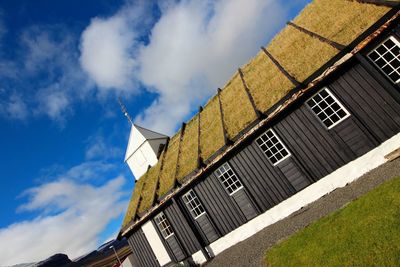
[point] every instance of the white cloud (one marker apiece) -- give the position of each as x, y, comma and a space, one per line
72, 216
195, 47
109, 47
54, 102
105, 53
98, 148
14, 107
49, 57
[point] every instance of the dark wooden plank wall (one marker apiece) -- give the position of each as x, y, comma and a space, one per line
223, 211
182, 230
245, 203
293, 172
175, 248
142, 251
369, 102
207, 228
266, 183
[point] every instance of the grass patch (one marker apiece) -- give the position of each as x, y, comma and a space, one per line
364, 233
211, 131
266, 83
167, 175
189, 149
236, 106
133, 203
339, 20
300, 54
149, 189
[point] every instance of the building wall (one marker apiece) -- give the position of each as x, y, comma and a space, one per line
316, 151
141, 250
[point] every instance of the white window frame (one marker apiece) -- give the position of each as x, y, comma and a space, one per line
160, 219
281, 143
394, 39
336, 101
193, 204
227, 167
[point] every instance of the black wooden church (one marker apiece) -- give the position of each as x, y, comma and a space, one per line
313, 110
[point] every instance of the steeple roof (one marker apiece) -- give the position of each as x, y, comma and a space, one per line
138, 136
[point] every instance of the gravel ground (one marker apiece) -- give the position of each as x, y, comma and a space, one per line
250, 252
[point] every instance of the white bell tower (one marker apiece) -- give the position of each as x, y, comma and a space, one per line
143, 149
144, 146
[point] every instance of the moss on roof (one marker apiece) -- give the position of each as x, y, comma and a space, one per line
339, 20
167, 174
211, 131
148, 193
133, 204
300, 54
266, 83
297, 52
189, 149
236, 107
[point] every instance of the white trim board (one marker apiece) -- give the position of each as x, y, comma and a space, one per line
339, 178
155, 243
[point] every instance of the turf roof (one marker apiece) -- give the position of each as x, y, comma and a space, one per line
236, 106
149, 189
167, 178
297, 52
189, 152
134, 203
211, 129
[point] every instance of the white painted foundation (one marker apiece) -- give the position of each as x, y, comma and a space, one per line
339, 178
155, 243
198, 257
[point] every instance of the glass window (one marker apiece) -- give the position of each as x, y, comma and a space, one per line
163, 225
327, 108
193, 204
387, 58
228, 179
272, 147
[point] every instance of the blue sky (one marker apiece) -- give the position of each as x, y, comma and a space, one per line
63, 184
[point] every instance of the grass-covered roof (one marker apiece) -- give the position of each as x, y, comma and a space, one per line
339, 20
211, 129
189, 150
134, 203
230, 111
167, 178
236, 106
148, 193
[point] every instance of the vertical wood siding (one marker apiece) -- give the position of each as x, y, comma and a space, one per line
207, 228
176, 248
182, 230
142, 252
294, 174
220, 207
243, 201
266, 183
370, 103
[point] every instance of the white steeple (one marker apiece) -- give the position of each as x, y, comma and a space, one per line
143, 149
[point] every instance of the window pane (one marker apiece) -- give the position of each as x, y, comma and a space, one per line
331, 112
387, 58
193, 204
228, 179
163, 225
272, 147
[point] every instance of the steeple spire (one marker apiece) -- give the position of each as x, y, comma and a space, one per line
124, 110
